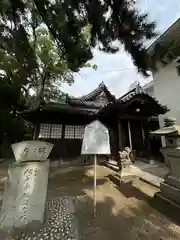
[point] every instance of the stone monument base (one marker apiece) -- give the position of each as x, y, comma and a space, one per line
170, 190
25, 195
173, 181
165, 202
126, 175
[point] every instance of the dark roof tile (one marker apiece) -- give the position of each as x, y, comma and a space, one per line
88, 104
92, 95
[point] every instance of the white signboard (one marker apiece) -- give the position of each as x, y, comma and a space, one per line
96, 139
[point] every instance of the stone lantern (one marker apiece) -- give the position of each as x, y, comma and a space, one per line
170, 188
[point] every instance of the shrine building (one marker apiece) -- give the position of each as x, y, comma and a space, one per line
129, 119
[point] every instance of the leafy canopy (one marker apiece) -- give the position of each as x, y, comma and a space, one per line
43, 41
109, 20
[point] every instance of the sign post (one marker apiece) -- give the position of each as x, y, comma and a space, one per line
95, 142
94, 197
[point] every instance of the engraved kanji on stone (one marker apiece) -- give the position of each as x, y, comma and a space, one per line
35, 172
26, 186
25, 201
27, 177
42, 151
25, 152
34, 150
23, 208
23, 217
28, 171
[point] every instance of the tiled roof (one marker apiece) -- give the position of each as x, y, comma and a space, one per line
132, 95
92, 95
137, 90
63, 107
88, 104
92, 108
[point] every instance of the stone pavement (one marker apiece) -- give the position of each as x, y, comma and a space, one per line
122, 212
150, 173
59, 223
153, 174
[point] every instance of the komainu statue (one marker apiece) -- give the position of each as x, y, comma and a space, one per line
124, 161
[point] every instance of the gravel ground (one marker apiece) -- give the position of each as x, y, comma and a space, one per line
59, 223
126, 212
121, 217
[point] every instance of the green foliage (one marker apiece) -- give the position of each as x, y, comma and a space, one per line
42, 42
107, 21
45, 78
52, 70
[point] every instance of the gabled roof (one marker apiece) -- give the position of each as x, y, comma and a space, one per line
56, 108
137, 90
137, 94
170, 34
85, 106
95, 93
88, 104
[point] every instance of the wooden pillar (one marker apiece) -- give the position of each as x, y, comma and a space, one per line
120, 135
114, 138
36, 131
63, 131
129, 132
147, 141
143, 135
34, 135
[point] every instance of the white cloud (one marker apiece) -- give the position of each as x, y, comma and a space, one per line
117, 71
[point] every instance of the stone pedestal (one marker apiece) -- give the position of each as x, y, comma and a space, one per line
125, 163
26, 188
25, 194
170, 188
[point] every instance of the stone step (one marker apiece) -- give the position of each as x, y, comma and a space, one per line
170, 192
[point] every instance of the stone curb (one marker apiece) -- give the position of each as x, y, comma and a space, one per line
149, 182
159, 195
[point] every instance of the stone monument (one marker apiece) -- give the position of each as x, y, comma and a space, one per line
170, 188
26, 187
124, 163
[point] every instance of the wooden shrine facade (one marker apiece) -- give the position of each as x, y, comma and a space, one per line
127, 118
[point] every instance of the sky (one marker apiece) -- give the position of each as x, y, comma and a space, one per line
117, 70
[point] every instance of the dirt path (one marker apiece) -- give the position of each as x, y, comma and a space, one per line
126, 212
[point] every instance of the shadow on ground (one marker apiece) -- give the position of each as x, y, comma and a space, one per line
129, 190
158, 169
123, 212
73, 182
132, 221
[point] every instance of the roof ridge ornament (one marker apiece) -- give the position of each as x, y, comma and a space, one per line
138, 89
102, 84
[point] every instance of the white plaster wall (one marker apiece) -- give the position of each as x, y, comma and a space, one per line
149, 88
167, 90
150, 92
